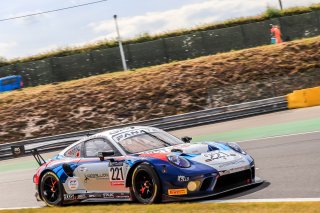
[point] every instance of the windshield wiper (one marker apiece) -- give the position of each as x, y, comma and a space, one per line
159, 139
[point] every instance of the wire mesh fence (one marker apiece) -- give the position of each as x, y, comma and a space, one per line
164, 50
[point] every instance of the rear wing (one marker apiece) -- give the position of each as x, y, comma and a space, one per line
18, 151
38, 157
35, 146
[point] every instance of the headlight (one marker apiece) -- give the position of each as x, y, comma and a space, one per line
236, 148
178, 161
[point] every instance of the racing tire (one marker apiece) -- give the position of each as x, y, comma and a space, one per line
51, 189
146, 186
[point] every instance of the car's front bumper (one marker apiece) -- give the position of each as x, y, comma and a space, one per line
167, 198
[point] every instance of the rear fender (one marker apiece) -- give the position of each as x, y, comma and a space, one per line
39, 183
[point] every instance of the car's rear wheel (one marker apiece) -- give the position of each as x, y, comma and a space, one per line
51, 189
145, 185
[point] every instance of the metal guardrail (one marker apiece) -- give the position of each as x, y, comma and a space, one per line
175, 122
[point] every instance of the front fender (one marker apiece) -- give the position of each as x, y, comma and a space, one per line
169, 174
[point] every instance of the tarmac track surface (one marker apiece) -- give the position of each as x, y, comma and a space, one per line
288, 163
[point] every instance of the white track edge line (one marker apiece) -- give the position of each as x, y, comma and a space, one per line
278, 136
18, 208
271, 200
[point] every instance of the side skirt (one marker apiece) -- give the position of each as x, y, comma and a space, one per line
97, 197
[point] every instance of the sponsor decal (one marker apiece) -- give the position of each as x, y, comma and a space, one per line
121, 135
73, 184
183, 178
81, 197
108, 195
117, 183
122, 196
97, 176
74, 151
91, 196
226, 172
116, 163
211, 156
69, 197
157, 151
116, 195
95, 195
116, 176
128, 134
177, 191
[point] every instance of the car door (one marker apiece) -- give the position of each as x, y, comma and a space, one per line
97, 175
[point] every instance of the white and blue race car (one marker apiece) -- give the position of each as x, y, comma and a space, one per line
143, 164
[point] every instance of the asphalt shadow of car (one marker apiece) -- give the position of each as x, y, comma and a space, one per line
238, 192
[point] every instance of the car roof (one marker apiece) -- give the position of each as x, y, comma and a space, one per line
112, 134
116, 135
9, 77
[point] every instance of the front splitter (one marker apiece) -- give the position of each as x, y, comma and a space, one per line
167, 198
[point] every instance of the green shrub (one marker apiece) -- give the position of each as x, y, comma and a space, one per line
299, 10
272, 12
3, 61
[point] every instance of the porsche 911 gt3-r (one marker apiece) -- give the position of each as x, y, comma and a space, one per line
142, 164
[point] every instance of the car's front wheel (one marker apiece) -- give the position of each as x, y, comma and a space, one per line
145, 184
51, 189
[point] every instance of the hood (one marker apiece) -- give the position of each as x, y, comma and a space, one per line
192, 148
217, 155
188, 148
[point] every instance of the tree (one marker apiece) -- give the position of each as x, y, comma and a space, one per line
3, 61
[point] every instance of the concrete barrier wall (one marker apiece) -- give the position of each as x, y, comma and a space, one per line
304, 98
163, 50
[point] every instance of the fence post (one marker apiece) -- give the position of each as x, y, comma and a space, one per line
283, 30
318, 21
204, 47
166, 55
129, 60
245, 43
52, 71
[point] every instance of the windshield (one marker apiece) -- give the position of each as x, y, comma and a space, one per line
145, 142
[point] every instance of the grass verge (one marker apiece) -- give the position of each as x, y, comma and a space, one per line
184, 207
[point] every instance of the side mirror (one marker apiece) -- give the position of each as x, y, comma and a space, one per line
101, 155
186, 139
